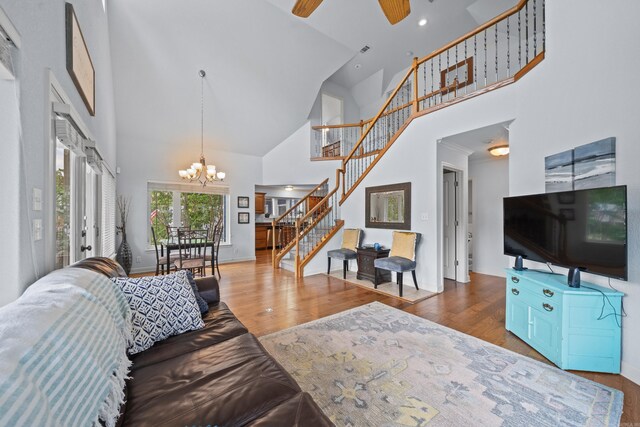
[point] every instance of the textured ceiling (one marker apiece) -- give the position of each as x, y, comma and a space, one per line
264, 65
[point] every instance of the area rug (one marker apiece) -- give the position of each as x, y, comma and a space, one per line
378, 366
409, 292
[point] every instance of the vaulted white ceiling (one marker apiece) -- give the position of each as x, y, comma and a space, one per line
264, 66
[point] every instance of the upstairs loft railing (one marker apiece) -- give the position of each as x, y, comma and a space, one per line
493, 55
335, 142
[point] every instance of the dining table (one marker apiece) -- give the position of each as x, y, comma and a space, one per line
174, 246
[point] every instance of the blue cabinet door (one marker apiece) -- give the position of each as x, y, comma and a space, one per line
544, 331
517, 315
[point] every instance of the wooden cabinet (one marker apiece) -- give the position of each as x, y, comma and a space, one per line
366, 268
575, 328
312, 201
262, 232
260, 201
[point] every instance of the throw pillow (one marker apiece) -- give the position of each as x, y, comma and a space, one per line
161, 306
202, 304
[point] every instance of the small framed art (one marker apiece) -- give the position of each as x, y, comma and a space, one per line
243, 217
243, 202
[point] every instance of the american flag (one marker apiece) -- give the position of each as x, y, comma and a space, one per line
154, 213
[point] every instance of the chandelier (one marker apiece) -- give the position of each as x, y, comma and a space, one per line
200, 171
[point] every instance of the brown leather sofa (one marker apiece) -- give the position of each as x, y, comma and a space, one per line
216, 376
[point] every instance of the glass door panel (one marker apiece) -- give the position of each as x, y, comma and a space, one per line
65, 218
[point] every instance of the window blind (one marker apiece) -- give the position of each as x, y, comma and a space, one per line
108, 214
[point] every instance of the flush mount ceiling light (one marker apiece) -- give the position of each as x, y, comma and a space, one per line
197, 172
499, 150
422, 22
289, 188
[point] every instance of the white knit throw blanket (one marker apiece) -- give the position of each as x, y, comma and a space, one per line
63, 359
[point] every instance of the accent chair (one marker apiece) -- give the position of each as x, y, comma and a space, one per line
351, 238
402, 257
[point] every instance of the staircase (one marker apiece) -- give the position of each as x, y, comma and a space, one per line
494, 55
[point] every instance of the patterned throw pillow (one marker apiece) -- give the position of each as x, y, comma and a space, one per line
161, 306
202, 304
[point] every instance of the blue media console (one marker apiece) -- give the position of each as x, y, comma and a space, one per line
566, 325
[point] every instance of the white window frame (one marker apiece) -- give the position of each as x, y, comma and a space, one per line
220, 189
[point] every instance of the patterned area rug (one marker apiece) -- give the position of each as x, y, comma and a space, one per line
409, 292
378, 366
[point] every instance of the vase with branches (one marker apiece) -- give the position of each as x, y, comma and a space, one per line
124, 255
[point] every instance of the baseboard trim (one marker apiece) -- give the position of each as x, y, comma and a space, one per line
631, 373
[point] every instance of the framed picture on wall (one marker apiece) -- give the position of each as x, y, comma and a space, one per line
79, 64
243, 202
243, 217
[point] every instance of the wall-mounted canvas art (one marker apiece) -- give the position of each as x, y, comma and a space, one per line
558, 170
587, 166
594, 164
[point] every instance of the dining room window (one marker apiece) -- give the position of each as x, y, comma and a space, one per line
178, 205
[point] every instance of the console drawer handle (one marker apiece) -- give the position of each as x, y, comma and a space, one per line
515, 279
547, 293
515, 291
547, 307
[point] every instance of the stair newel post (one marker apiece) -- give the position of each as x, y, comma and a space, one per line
297, 237
415, 85
273, 242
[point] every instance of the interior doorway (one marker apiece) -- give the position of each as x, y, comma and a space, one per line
451, 179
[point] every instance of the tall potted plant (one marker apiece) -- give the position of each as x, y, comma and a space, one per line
124, 255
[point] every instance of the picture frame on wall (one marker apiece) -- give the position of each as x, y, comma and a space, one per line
79, 64
243, 217
243, 202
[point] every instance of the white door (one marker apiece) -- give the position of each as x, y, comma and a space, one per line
449, 224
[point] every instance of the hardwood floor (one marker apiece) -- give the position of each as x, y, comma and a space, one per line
267, 301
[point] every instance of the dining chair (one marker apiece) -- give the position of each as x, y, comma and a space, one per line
161, 260
215, 236
351, 238
402, 257
191, 250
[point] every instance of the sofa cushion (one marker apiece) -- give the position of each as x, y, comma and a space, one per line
161, 306
300, 410
219, 325
230, 383
202, 304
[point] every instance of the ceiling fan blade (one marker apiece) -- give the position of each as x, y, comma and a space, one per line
395, 10
304, 8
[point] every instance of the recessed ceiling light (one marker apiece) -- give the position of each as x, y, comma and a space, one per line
422, 22
357, 66
289, 188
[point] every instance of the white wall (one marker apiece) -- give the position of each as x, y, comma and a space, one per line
490, 184
42, 28
289, 162
351, 110
139, 165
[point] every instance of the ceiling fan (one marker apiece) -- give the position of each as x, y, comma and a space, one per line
394, 10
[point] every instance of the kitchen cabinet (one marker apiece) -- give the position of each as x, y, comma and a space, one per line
260, 200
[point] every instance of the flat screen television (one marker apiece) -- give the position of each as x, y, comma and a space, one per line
582, 228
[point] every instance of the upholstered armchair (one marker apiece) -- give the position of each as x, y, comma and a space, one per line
402, 257
351, 238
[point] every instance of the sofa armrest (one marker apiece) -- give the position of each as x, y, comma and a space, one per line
208, 289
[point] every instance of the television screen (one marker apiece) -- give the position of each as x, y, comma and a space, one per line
583, 228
